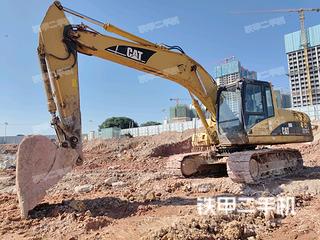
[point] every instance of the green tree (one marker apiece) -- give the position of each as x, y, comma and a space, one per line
150, 123
120, 122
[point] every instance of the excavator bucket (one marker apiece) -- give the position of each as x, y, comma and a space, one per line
41, 163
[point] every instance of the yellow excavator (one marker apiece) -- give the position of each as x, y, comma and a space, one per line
244, 115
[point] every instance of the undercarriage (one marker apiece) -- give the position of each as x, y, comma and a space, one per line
247, 166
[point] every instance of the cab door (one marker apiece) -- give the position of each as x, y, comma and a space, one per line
229, 116
257, 104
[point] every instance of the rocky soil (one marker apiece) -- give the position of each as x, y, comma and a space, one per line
123, 191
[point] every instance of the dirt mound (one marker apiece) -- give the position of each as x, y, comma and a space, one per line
169, 149
136, 149
144, 144
214, 227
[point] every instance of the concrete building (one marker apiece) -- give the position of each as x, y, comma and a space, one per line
182, 113
230, 71
297, 68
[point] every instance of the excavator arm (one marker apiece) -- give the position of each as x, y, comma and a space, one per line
59, 45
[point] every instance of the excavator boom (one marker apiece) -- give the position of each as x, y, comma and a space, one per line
58, 48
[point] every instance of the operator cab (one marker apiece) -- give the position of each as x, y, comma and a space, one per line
241, 106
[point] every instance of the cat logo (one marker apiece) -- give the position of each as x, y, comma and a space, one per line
134, 54
137, 54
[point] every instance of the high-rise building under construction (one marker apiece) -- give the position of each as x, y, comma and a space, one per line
230, 71
297, 66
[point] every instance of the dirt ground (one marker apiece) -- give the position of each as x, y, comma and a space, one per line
123, 191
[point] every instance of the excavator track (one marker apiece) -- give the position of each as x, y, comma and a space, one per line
255, 166
196, 164
174, 165
248, 167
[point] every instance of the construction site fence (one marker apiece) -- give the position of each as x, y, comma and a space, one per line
17, 139
169, 127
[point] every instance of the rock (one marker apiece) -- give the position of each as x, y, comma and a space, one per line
72, 216
12, 207
7, 185
273, 224
113, 167
168, 189
109, 181
7, 161
10, 190
204, 188
151, 177
96, 224
7, 181
6, 165
73, 238
150, 196
62, 216
77, 205
187, 188
88, 213
83, 188
118, 184
269, 215
14, 218
127, 193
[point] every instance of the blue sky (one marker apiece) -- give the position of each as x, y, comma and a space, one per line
207, 31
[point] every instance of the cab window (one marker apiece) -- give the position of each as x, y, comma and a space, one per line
270, 109
257, 104
253, 99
